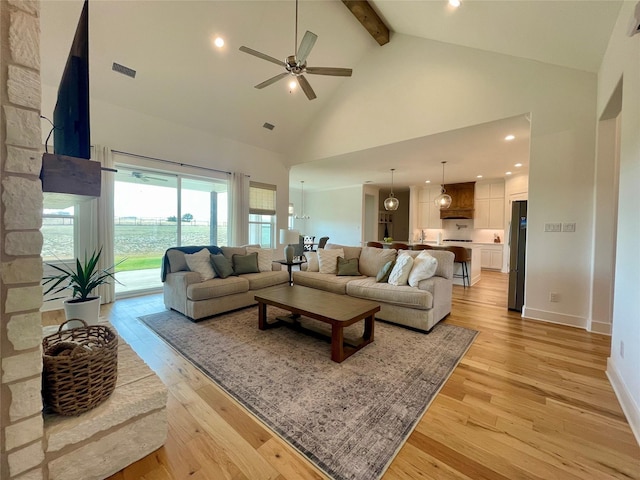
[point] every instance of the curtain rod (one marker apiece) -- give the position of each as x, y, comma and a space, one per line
170, 161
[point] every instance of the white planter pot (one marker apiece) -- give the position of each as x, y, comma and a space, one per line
89, 311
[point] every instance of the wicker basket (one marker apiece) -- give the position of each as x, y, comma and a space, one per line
80, 368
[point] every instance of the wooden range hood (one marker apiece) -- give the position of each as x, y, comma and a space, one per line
462, 201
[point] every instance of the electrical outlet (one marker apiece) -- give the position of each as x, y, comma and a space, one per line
554, 297
621, 348
552, 227
568, 227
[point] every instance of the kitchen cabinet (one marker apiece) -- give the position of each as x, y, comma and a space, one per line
491, 257
489, 205
428, 212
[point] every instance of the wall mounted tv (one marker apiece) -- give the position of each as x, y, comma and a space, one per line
71, 115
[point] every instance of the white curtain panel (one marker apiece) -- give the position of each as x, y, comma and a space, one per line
239, 209
104, 218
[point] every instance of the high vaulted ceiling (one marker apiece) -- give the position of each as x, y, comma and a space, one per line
181, 76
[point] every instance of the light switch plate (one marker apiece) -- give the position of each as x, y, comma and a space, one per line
568, 227
552, 227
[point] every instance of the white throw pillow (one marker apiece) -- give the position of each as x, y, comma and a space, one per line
424, 266
328, 259
201, 262
265, 258
401, 270
312, 261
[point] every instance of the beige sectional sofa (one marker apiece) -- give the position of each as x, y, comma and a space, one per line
419, 307
186, 292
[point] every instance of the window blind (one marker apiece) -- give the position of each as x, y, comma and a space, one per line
262, 199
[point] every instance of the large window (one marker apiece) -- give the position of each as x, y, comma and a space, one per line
58, 234
157, 210
262, 214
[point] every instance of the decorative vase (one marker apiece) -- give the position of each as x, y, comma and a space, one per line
288, 253
88, 310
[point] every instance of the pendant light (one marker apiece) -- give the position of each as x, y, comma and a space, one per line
443, 201
392, 202
304, 216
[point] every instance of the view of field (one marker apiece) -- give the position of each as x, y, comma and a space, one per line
142, 245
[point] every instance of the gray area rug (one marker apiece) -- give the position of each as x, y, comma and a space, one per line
350, 419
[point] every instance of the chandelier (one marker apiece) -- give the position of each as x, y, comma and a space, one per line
304, 216
391, 203
443, 201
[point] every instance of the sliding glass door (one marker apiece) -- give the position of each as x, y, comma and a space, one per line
157, 210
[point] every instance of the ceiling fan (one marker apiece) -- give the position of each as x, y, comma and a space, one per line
296, 65
145, 178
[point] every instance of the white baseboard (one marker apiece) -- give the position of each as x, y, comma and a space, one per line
600, 327
628, 404
554, 317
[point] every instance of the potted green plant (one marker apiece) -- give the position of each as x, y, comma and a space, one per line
82, 279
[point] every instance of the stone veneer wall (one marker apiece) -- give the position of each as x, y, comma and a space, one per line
21, 422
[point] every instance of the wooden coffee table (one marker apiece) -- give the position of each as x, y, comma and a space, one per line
339, 311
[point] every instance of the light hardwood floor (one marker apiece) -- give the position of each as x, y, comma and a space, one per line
529, 400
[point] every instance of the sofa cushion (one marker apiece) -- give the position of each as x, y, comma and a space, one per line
424, 266
222, 265
405, 296
229, 252
312, 261
265, 258
348, 268
261, 280
385, 271
444, 258
322, 281
245, 263
200, 262
349, 252
401, 270
372, 259
217, 287
328, 260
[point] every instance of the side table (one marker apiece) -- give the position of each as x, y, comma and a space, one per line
290, 266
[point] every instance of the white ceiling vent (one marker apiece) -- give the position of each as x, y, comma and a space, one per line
129, 72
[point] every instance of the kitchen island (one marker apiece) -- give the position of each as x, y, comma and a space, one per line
475, 253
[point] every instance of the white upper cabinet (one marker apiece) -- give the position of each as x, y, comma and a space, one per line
489, 205
428, 213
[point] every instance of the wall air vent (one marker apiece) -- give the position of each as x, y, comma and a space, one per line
129, 72
268, 126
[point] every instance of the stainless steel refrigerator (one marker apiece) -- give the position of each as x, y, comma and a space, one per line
517, 248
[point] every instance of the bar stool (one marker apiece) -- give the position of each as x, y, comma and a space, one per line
375, 244
461, 255
399, 246
422, 246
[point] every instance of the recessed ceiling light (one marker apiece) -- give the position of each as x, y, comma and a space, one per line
518, 165
508, 138
427, 181
507, 173
454, 3
478, 176
219, 42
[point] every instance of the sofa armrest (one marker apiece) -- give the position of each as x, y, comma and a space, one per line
276, 267
175, 289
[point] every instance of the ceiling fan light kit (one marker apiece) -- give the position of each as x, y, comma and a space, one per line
443, 201
296, 65
391, 202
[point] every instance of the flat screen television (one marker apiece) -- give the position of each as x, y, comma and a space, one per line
71, 133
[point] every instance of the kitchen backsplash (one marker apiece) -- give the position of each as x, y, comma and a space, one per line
460, 230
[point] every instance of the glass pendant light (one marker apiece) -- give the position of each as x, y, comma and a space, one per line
304, 216
392, 202
443, 201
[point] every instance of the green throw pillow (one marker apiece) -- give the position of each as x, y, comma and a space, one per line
222, 265
245, 263
385, 271
348, 267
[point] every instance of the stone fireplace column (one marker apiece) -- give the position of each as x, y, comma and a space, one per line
21, 423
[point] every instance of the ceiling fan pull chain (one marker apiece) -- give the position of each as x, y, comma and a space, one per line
295, 45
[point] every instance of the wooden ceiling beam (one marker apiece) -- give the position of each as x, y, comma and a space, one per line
369, 19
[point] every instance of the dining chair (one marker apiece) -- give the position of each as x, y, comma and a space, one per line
322, 242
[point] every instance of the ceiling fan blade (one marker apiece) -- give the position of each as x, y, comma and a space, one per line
266, 83
336, 72
263, 56
307, 43
306, 88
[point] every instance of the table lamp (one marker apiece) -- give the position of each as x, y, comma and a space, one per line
287, 237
